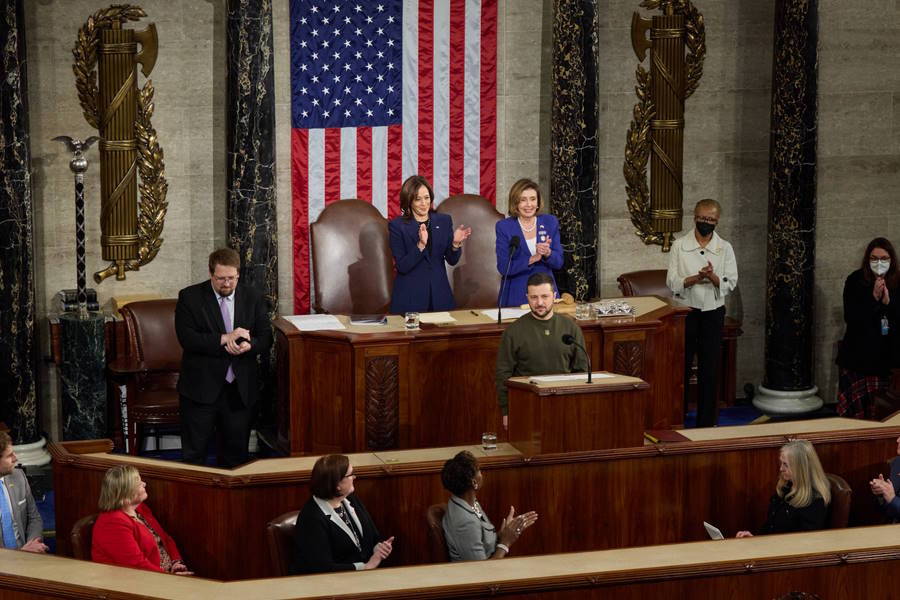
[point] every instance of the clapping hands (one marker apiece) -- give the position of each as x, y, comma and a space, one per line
381, 551
882, 487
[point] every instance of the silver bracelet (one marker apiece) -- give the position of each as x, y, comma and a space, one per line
504, 546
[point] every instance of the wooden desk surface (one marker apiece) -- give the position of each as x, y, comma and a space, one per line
786, 428
37, 575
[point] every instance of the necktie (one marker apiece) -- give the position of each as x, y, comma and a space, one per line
226, 316
6, 520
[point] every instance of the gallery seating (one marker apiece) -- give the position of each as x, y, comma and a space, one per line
280, 535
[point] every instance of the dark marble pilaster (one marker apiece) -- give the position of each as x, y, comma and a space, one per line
82, 375
252, 222
573, 142
790, 259
18, 350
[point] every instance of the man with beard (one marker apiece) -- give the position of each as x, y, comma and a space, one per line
533, 345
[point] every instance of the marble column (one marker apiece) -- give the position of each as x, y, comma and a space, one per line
252, 223
82, 375
573, 143
18, 348
787, 386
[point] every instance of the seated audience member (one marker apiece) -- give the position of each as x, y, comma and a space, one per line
886, 490
869, 349
537, 250
334, 532
126, 532
422, 241
802, 493
469, 533
19, 517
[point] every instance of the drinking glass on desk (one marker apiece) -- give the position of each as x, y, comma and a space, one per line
582, 311
411, 320
489, 440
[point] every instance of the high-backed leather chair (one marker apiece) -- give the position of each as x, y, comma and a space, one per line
149, 370
474, 279
82, 534
280, 535
839, 509
887, 402
652, 282
353, 272
438, 543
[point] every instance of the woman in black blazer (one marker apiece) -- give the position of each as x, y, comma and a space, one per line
334, 532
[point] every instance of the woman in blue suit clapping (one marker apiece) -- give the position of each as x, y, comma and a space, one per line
538, 249
421, 242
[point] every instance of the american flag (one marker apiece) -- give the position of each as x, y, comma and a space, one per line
385, 89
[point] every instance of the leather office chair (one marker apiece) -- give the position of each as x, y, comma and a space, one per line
353, 271
150, 368
644, 283
474, 279
280, 535
839, 509
887, 402
435, 518
82, 534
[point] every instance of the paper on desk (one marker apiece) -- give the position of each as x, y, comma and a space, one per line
509, 312
569, 377
436, 317
314, 322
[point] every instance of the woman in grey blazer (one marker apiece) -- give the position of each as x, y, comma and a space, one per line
470, 534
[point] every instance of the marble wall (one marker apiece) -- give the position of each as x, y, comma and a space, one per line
726, 144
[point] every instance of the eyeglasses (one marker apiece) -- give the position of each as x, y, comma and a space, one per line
710, 220
230, 279
350, 475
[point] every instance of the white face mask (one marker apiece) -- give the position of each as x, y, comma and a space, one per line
881, 266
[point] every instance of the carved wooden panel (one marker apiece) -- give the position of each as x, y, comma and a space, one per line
628, 358
382, 402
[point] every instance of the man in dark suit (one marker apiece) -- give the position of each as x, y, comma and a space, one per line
23, 529
222, 328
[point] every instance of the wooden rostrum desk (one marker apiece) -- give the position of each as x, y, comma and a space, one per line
382, 387
614, 498
853, 563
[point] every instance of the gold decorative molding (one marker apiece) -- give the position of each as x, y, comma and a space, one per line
657, 125
130, 230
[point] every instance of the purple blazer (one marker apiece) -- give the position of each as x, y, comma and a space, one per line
519, 269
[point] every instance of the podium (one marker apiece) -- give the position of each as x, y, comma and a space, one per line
563, 413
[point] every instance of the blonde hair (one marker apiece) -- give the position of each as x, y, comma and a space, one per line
515, 195
806, 473
119, 484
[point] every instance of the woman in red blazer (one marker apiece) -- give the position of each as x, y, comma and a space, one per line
126, 533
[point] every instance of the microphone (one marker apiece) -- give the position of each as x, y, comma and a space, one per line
568, 339
514, 242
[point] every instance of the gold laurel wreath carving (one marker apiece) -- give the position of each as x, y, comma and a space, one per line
151, 164
637, 145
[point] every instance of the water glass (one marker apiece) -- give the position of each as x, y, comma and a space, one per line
489, 440
411, 319
582, 311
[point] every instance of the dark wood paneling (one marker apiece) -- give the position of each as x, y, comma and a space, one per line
445, 387
587, 501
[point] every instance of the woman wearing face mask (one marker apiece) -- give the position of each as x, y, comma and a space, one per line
872, 312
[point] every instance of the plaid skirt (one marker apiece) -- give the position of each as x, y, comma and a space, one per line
855, 392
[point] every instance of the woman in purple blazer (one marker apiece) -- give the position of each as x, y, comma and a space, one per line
421, 242
538, 249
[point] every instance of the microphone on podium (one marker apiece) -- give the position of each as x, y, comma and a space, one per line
514, 242
568, 339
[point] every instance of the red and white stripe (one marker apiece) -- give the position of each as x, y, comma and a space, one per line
448, 132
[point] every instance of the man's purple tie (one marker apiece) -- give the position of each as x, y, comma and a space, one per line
226, 316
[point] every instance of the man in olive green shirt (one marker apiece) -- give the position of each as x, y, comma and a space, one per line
533, 345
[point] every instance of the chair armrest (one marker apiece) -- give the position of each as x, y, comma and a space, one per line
126, 365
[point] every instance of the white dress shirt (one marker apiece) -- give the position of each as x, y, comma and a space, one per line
686, 258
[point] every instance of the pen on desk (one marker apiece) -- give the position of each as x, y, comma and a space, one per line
652, 438
474, 312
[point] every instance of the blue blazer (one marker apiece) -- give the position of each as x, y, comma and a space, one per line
519, 269
421, 276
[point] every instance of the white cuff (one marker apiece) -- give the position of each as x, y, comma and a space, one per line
360, 566
504, 546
